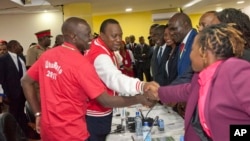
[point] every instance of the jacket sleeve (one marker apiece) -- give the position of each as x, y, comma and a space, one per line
113, 78
174, 93
240, 82
185, 77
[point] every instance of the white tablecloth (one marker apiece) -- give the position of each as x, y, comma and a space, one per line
174, 124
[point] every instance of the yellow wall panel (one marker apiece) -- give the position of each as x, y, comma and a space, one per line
132, 23
135, 23
81, 10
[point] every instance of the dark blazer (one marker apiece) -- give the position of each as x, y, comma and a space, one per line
129, 46
228, 99
172, 66
9, 78
159, 69
184, 62
186, 77
138, 51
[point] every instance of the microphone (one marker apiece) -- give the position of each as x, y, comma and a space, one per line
149, 119
142, 116
149, 111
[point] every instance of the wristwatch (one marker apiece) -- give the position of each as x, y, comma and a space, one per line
37, 114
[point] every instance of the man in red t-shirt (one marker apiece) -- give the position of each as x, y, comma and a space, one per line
67, 82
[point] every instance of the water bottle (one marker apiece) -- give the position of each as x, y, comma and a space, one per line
124, 121
1, 94
138, 124
182, 138
161, 125
146, 132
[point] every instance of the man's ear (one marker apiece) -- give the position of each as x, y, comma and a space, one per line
102, 36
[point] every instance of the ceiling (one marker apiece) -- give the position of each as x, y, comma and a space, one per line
100, 7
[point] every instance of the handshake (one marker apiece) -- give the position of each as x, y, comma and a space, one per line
150, 94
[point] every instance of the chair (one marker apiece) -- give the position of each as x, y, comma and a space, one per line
9, 128
32, 134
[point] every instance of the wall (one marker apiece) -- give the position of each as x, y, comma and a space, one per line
21, 27
81, 10
132, 23
137, 23
246, 10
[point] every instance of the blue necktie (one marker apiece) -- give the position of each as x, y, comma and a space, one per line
159, 55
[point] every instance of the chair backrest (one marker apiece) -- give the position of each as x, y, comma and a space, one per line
10, 128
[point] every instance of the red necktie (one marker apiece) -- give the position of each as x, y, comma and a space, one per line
182, 45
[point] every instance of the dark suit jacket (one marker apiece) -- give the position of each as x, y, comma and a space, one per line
228, 100
138, 51
184, 62
10, 79
159, 70
128, 46
172, 66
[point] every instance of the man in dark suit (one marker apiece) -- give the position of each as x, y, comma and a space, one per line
160, 56
181, 30
12, 68
143, 56
132, 45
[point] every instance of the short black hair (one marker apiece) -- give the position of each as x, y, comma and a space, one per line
105, 23
154, 26
11, 44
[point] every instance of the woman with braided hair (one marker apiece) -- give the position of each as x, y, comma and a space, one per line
218, 94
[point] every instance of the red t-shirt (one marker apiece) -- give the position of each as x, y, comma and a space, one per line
67, 81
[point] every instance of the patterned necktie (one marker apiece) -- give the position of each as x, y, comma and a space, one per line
20, 68
159, 55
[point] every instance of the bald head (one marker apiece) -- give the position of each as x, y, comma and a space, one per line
207, 19
70, 25
184, 18
77, 32
179, 26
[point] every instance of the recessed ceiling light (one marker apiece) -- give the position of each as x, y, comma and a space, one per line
218, 9
191, 3
240, 2
128, 9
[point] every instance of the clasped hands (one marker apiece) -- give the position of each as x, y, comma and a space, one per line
150, 94
150, 90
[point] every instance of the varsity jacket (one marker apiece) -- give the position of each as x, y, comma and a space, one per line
107, 68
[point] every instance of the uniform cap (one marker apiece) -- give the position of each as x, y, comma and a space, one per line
43, 33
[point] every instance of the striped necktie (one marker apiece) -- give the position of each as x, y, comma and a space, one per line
159, 55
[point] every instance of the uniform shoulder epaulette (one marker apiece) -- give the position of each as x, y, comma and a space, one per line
38, 47
35, 46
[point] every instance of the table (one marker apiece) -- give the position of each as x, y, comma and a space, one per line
174, 124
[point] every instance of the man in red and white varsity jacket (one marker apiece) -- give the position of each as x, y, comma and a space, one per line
101, 55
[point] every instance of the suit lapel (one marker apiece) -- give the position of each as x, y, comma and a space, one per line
11, 63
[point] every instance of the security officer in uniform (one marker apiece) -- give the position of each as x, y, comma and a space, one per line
35, 51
